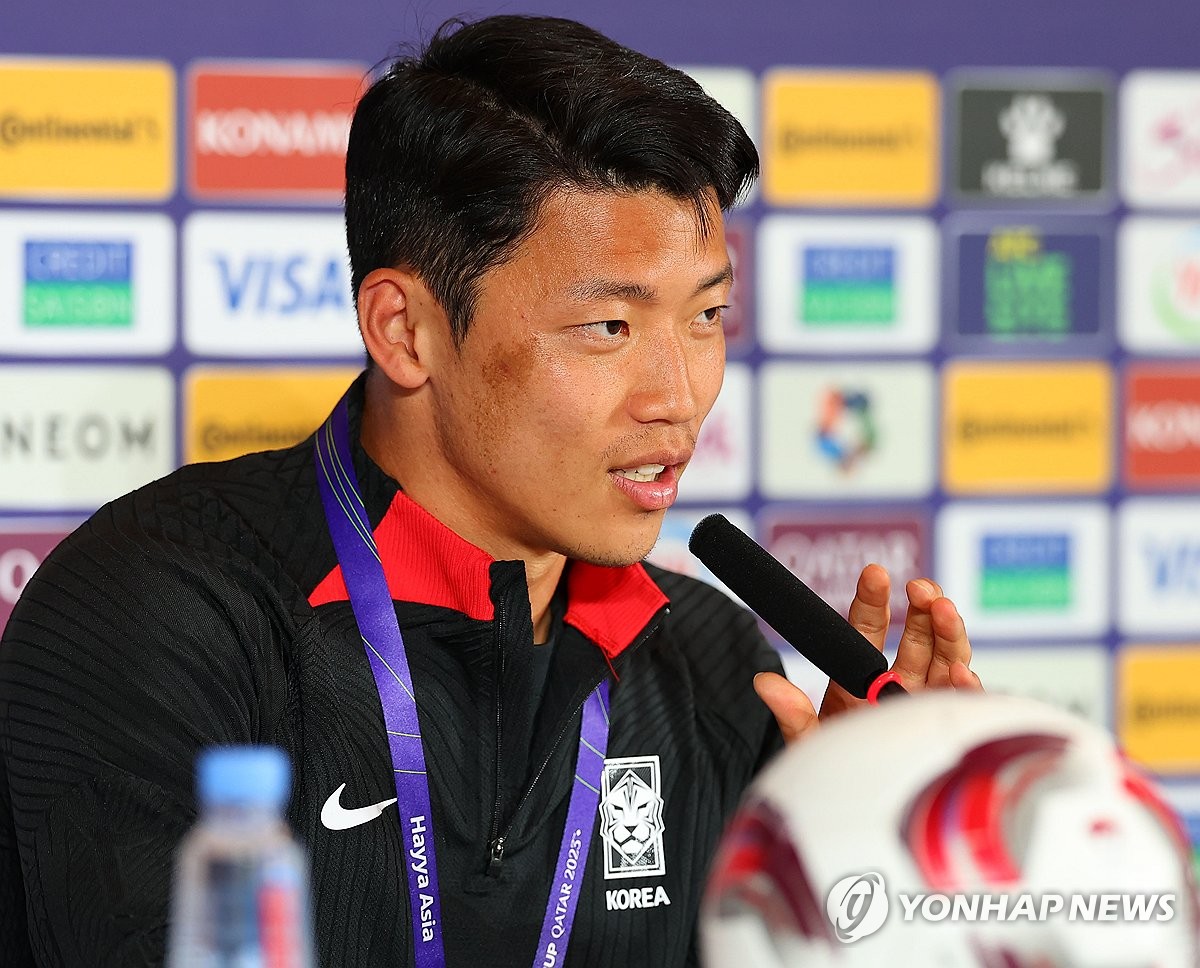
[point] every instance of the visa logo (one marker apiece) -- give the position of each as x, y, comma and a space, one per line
78, 283
296, 283
1026, 571
1174, 567
848, 284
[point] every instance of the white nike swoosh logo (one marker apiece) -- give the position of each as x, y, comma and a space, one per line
336, 817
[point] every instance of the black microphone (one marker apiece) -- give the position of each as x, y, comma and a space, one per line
811, 626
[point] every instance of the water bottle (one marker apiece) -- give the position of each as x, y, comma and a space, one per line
241, 882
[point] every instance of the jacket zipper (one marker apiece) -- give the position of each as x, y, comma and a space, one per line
496, 844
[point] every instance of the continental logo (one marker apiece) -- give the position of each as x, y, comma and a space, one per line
118, 142
1158, 714
256, 131
18, 131
1027, 427
229, 412
842, 138
1162, 427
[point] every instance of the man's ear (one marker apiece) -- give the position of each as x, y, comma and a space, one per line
401, 325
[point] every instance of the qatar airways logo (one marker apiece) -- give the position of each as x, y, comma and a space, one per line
858, 906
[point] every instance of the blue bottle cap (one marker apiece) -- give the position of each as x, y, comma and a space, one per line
244, 775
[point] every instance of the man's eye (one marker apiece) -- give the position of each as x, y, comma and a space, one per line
713, 315
607, 327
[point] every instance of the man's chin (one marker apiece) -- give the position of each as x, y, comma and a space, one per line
611, 554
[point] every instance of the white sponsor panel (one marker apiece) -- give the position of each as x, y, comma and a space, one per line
847, 285
1159, 587
840, 431
1158, 302
1077, 678
720, 468
736, 90
1160, 139
86, 283
78, 436
1026, 570
671, 550
268, 284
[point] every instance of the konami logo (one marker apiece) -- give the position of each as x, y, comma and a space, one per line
1162, 427
270, 131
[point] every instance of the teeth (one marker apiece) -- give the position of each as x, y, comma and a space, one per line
647, 472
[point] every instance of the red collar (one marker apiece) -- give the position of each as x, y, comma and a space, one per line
427, 563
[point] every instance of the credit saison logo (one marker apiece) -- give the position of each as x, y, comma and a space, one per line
18, 130
858, 906
243, 132
78, 283
848, 284
1026, 571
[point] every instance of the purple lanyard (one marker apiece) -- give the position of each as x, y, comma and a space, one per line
375, 613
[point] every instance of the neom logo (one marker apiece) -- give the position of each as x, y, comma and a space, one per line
63, 436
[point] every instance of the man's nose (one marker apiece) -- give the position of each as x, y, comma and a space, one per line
664, 384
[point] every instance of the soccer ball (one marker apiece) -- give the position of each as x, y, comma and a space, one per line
946, 830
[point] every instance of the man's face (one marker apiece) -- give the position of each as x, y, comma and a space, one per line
594, 354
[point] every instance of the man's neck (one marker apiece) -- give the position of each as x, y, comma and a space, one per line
388, 439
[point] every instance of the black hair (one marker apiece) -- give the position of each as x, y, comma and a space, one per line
452, 152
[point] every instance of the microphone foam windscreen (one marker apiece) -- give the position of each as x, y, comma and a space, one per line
815, 629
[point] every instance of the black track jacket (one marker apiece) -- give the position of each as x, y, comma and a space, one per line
208, 608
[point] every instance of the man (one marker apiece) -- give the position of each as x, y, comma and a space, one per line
534, 223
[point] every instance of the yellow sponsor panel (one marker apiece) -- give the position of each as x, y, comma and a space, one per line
846, 138
1158, 706
229, 412
86, 128
1027, 428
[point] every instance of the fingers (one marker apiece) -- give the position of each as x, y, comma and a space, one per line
962, 677
792, 709
870, 611
933, 640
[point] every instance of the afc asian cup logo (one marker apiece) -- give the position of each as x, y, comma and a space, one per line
857, 906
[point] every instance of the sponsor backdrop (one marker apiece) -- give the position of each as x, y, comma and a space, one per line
964, 340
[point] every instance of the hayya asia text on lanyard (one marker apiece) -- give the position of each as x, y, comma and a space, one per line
371, 601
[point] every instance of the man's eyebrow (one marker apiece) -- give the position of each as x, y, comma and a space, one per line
597, 289
716, 279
